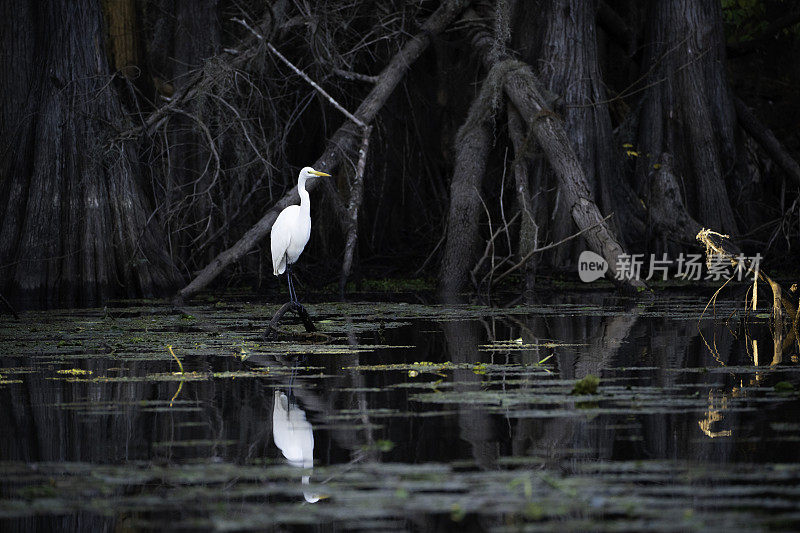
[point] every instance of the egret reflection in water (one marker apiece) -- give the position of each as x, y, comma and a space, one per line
293, 435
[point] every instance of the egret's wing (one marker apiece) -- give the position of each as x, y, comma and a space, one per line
280, 237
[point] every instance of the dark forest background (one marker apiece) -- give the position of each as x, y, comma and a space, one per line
146, 146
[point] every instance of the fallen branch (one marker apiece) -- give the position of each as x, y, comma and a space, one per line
339, 145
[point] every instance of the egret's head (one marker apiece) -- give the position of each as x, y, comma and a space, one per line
308, 173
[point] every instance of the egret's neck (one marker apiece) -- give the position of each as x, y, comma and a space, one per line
305, 201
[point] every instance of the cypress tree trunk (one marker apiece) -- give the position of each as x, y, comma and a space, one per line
196, 37
472, 145
565, 50
74, 227
547, 128
687, 108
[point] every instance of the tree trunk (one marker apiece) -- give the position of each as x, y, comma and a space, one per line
687, 108
522, 88
74, 226
569, 69
122, 41
526, 203
472, 144
185, 36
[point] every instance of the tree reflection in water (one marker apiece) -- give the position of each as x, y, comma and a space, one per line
453, 409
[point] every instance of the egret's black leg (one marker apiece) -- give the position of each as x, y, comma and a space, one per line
292, 293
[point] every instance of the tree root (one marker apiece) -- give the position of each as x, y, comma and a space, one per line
521, 85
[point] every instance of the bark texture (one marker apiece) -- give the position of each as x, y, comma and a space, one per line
522, 88
138, 134
564, 48
74, 227
687, 109
472, 144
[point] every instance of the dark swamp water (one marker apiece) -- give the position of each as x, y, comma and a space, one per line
400, 417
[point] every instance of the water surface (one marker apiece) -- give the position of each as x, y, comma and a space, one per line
400, 416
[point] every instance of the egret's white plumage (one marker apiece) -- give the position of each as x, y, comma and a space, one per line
292, 228
292, 432
293, 435
290, 234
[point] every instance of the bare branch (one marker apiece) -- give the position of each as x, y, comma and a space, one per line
305, 76
548, 247
340, 144
349, 75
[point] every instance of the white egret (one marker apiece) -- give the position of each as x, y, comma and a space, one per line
291, 231
294, 437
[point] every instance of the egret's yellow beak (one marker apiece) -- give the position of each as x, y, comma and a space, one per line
318, 173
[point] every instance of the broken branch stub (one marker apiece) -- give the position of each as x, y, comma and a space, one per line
353, 207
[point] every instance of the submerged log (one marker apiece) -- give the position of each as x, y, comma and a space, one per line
299, 310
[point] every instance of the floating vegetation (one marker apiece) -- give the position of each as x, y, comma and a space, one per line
74, 372
587, 385
518, 344
598, 496
605, 414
